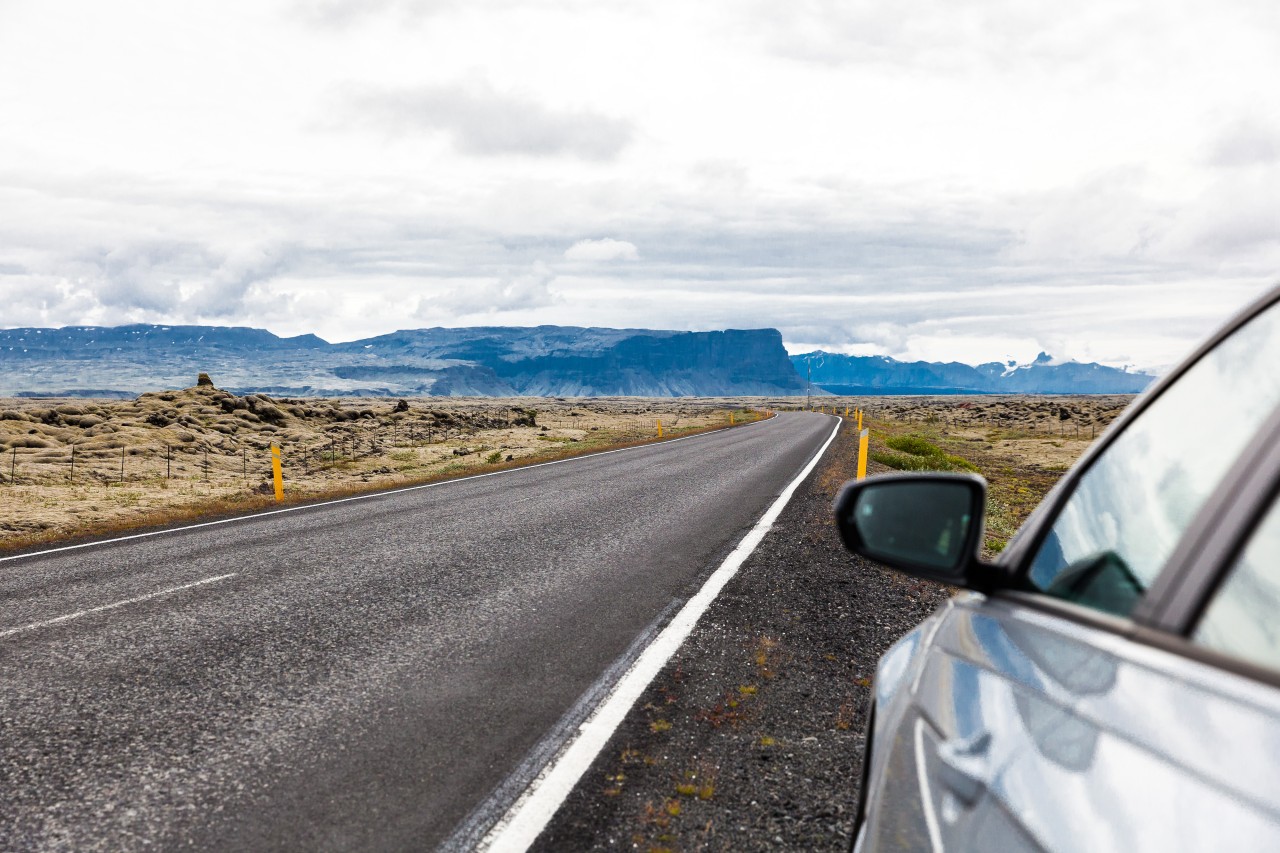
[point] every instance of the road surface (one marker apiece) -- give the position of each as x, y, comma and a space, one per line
353, 675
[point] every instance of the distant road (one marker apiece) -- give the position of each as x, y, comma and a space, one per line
355, 675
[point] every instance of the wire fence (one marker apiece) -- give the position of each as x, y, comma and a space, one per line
37, 460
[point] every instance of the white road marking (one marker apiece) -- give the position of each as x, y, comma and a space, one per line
68, 617
364, 497
525, 820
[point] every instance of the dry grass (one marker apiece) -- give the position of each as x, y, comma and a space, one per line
202, 453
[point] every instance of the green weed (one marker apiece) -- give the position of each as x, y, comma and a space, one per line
917, 454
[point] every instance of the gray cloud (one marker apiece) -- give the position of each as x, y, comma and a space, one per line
1247, 142
223, 290
479, 120
337, 15
144, 276
517, 290
921, 33
137, 280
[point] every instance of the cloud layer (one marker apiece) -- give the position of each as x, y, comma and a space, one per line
975, 181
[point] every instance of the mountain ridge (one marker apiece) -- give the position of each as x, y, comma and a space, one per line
470, 361
559, 361
854, 375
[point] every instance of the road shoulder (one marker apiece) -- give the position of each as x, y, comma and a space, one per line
751, 736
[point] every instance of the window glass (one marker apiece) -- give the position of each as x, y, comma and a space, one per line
1243, 619
1130, 508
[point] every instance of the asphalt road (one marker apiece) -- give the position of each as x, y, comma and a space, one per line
355, 675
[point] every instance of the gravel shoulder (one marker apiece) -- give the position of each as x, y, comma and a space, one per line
751, 737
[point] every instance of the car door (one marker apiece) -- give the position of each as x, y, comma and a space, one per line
1072, 715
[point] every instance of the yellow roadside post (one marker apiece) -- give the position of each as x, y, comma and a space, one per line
731, 419
859, 420
659, 429
275, 472
862, 454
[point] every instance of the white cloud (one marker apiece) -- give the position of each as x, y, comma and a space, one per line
606, 249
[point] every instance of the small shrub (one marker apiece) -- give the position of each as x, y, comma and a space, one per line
913, 444
917, 454
902, 461
493, 458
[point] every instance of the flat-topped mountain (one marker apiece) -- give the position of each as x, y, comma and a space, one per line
488, 361
863, 375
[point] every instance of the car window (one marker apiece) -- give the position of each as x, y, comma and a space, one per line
1129, 509
1243, 617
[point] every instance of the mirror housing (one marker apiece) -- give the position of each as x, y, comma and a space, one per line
926, 525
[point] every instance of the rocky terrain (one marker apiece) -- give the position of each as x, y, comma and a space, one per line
75, 466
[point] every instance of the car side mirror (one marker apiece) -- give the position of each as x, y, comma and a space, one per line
927, 525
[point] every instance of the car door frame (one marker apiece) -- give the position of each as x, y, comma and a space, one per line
1167, 611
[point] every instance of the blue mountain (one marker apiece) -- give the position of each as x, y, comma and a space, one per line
855, 375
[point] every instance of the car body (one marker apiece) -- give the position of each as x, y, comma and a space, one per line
1112, 680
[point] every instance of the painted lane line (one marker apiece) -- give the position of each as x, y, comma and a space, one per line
525, 820
68, 617
365, 497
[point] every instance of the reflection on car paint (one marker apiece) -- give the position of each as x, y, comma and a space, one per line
1106, 736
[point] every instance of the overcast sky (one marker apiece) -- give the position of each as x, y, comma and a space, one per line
925, 178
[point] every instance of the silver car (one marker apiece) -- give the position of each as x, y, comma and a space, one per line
1112, 681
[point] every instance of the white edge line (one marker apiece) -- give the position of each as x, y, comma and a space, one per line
365, 497
67, 618
529, 815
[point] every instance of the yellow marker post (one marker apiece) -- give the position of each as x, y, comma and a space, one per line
659, 429
731, 419
275, 472
862, 454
